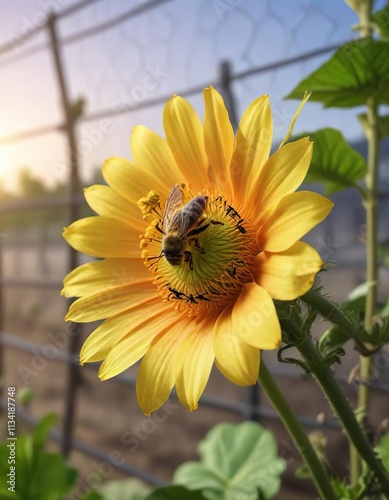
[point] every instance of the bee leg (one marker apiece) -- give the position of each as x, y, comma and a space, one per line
197, 245
216, 222
158, 228
188, 258
154, 259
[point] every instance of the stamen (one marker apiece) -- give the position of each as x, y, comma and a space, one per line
216, 262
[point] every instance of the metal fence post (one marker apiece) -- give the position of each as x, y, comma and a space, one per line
252, 398
225, 77
74, 330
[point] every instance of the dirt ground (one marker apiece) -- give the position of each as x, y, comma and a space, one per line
108, 417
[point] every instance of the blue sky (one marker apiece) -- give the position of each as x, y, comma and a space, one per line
182, 42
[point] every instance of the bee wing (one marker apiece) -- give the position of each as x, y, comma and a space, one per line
173, 204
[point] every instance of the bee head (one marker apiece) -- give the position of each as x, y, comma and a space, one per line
173, 244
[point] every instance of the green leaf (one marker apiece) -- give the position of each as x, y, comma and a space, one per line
8, 495
383, 254
380, 331
41, 431
382, 449
235, 462
334, 162
346, 492
176, 493
40, 475
127, 489
383, 125
381, 22
52, 478
92, 495
332, 341
358, 70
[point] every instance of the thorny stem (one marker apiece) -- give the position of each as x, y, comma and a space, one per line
293, 426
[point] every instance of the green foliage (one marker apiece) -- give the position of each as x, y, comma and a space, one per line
334, 163
383, 254
381, 22
235, 462
175, 493
39, 475
382, 449
127, 489
357, 71
25, 396
380, 331
347, 492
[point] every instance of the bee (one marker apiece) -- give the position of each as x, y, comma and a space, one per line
178, 226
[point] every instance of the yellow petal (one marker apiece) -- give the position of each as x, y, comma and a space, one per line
237, 361
106, 201
194, 360
123, 176
103, 237
134, 344
153, 157
156, 373
288, 274
252, 146
184, 134
219, 139
100, 342
291, 219
110, 301
254, 318
283, 172
94, 276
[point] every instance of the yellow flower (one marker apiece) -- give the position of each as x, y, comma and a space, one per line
183, 288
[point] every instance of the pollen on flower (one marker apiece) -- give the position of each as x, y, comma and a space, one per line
217, 261
149, 203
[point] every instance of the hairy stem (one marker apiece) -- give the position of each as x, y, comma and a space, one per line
329, 311
343, 410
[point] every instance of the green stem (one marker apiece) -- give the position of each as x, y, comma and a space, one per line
370, 202
297, 433
343, 410
364, 13
371, 260
329, 311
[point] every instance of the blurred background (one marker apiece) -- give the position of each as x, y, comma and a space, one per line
76, 76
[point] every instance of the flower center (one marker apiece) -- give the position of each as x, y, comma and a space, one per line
200, 249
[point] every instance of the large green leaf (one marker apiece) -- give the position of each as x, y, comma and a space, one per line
334, 163
235, 462
358, 70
